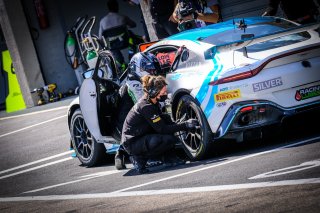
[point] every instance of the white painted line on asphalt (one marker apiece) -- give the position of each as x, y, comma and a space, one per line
33, 113
288, 170
163, 191
37, 167
28, 127
86, 177
37, 161
217, 165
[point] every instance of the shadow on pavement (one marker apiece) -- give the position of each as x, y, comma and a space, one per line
162, 168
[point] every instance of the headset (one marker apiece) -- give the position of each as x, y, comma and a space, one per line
153, 91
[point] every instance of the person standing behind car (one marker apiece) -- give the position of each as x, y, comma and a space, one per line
114, 19
207, 12
147, 132
144, 26
163, 24
302, 12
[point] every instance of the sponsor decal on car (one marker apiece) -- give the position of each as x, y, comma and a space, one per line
224, 96
193, 63
176, 76
204, 89
268, 84
306, 93
233, 87
222, 104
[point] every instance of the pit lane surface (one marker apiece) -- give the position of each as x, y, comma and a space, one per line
38, 173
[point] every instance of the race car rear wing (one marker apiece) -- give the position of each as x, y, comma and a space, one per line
251, 40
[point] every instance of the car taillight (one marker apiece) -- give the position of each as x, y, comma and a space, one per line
237, 77
232, 78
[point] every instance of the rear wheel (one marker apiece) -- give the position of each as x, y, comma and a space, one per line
88, 151
196, 144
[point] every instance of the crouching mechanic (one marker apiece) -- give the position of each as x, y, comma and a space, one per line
147, 132
131, 91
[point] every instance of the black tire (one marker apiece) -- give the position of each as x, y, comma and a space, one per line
196, 144
89, 152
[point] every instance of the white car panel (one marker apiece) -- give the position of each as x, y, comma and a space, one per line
281, 76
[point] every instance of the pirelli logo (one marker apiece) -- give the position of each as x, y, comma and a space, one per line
228, 95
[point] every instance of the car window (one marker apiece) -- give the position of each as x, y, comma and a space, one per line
88, 73
166, 56
278, 42
101, 73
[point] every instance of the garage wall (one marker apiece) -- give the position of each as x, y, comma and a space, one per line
49, 42
21, 47
3, 76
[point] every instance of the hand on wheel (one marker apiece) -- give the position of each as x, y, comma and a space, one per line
192, 124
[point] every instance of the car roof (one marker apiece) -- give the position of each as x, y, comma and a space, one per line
199, 34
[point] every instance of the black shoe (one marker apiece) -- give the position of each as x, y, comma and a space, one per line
142, 170
119, 161
153, 162
139, 163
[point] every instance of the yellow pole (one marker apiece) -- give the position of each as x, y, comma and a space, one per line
14, 100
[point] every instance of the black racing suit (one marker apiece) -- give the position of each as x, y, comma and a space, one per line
147, 132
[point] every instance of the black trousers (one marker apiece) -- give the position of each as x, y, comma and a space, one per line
152, 145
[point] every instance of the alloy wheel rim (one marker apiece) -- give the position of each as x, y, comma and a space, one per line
83, 138
192, 140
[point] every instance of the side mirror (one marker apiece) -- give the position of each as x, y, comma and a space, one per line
184, 55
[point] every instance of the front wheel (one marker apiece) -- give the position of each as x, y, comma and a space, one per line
196, 144
88, 151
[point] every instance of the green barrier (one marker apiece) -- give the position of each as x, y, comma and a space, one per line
14, 100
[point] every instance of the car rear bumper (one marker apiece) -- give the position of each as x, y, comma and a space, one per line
245, 121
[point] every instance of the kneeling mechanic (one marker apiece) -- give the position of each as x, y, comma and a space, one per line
147, 132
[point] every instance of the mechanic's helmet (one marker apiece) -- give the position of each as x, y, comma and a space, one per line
142, 64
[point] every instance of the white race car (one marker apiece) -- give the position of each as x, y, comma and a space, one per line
235, 77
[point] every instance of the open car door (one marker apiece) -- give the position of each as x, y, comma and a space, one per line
98, 99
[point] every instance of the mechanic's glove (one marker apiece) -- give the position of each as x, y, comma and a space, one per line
192, 123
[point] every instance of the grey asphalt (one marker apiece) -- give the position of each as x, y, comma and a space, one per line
233, 165
273, 199
63, 102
